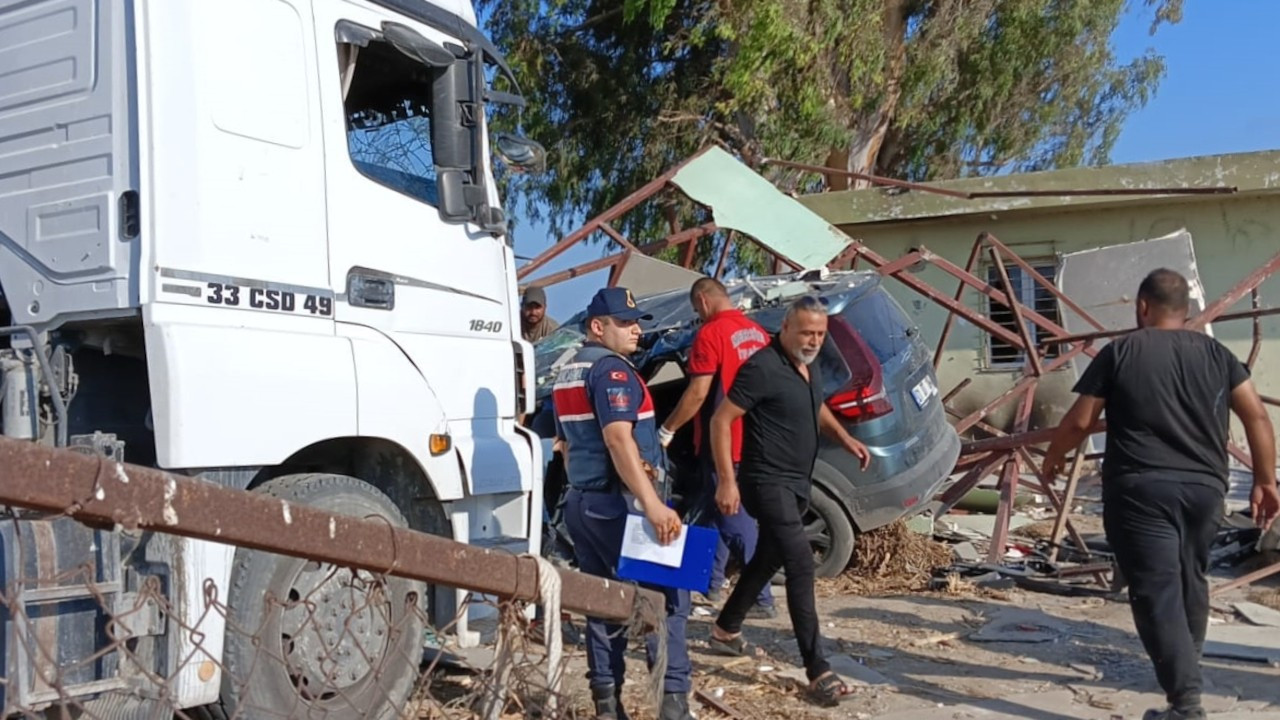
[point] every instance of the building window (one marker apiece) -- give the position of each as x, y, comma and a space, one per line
1000, 354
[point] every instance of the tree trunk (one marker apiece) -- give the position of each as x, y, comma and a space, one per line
869, 129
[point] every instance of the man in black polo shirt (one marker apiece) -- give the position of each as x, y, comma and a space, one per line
1167, 392
778, 394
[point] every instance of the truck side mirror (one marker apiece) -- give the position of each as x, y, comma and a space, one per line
520, 153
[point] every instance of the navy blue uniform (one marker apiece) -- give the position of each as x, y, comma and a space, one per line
595, 388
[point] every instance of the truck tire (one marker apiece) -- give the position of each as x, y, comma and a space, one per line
307, 639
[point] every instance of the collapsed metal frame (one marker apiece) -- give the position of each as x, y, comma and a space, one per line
1004, 453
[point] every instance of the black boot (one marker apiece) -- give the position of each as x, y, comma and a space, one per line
608, 702
675, 706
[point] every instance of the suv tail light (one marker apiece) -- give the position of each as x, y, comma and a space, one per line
863, 397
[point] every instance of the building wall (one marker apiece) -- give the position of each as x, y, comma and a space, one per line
1232, 237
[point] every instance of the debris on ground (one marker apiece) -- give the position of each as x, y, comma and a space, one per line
1258, 614
889, 559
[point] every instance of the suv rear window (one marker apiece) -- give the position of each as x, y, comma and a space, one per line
881, 322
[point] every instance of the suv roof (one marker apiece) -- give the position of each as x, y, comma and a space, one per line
674, 321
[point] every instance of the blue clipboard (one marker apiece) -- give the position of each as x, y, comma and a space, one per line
694, 572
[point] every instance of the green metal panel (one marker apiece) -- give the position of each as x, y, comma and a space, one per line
742, 200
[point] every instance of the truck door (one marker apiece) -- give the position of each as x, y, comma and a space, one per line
441, 292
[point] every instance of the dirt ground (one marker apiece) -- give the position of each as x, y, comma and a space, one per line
915, 656
961, 652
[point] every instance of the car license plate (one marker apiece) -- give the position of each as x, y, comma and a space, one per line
924, 390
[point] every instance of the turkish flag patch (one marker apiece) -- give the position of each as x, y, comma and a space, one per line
618, 375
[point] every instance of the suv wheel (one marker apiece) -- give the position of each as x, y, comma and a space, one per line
831, 535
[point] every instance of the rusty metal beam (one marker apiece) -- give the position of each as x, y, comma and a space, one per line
951, 317
1235, 294
1012, 442
580, 270
679, 238
617, 236
1041, 280
1068, 497
1255, 301
621, 208
1243, 580
878, 261
998, 295
873, 179
1088, 192
1104, 334
724, 253
1028, 342
97, 491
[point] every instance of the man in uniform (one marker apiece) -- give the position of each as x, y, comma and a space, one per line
604, 415
535, 324
1168, 392
723, 343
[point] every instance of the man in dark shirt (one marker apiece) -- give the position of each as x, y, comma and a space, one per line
778, 393
1167, 392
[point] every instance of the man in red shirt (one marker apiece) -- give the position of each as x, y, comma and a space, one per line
725, 341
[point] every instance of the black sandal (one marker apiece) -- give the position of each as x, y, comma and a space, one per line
829, 690
734, 647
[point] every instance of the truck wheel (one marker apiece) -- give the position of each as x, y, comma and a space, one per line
305, 638
830, 534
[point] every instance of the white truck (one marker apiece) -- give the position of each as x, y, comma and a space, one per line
259, 243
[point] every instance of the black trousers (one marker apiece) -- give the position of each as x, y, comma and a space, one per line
1161, 531
783, 544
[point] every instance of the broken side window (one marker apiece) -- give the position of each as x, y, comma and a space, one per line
1000, 354
387, 99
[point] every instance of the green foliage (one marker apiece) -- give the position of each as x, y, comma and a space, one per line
621, 90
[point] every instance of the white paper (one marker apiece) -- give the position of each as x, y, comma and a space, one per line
640, 542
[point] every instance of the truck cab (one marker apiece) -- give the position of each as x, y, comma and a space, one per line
259, 243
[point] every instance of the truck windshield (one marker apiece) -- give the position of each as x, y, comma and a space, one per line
387, 99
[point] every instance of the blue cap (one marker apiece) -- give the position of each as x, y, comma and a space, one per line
616, 302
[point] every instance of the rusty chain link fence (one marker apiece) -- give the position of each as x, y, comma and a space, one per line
131, 593
355, 644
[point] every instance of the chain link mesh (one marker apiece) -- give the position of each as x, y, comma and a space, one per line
84, 637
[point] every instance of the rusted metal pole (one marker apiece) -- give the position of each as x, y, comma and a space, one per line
1243, 580
878, 261
618, 210
1013, 392
97, 491
1029, 347
999, 296
580, 270
956, 390
1104, 334
1232, 296
951, 317
1068, 497
615, 273
617, 236
683, 236
1088, 192
1040, 279
1256, 303
873, 179
1012, 442
724, 253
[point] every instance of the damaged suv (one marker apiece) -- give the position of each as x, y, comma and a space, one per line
878, 380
